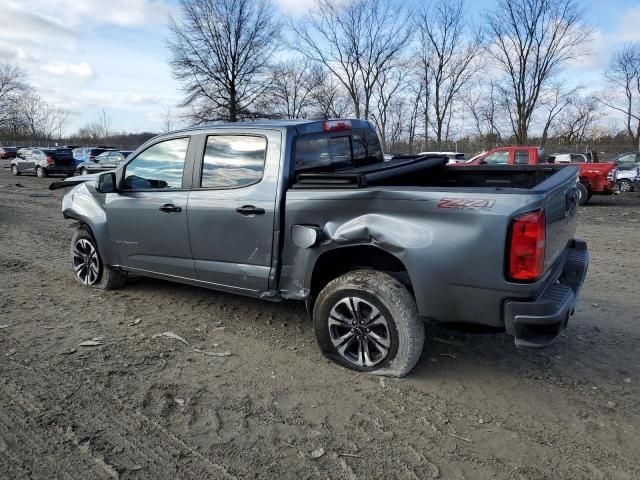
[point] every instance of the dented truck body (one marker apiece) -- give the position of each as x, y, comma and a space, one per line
444, 233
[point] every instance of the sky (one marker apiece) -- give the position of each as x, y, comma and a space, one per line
85, 55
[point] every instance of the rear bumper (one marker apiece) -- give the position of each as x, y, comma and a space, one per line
63, 169
537, 323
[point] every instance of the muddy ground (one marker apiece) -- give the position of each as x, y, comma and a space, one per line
136, 406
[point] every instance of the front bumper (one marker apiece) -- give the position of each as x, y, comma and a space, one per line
537, 323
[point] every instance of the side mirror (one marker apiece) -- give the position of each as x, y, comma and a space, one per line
107, 182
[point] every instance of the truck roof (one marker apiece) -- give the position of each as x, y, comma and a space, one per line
302, 125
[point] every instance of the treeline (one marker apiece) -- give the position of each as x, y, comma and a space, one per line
424, 74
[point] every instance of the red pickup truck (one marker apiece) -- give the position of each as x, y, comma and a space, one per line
595, 178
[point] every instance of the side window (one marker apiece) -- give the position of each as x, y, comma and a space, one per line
497, 158
233, 161
522, 157
575, 158
159, 166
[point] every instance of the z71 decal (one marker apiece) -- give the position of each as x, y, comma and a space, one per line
466, 203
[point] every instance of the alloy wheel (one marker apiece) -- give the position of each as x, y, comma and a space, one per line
86, 264
625, 186
359, 332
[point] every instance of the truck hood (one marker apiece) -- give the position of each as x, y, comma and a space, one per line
73, 181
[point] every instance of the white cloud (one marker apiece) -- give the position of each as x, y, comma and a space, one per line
79, 70
295, 7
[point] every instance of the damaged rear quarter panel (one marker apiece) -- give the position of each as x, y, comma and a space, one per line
453, 255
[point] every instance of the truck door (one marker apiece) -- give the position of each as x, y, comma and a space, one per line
147, 217
231, 207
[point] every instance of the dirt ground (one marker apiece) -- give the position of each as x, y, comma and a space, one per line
139, 406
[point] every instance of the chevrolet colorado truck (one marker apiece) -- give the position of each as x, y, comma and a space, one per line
594, 179
310, 211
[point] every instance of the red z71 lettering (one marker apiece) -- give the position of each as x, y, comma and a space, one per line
465, 203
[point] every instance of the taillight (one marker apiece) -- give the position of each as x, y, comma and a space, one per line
50, 161
336, 125
612, 175
526, 247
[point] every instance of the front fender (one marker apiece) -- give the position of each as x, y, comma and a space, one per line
86, 205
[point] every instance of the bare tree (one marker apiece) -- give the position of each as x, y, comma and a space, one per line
483, 103
624, 97
98, 130
531, 41
293, 88
356, 41
389, 87
220, 50
449, 56
554, 101
331, 99
578, 120
167, 119
12, 87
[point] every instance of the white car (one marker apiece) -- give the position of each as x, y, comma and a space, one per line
625, 179
454, 157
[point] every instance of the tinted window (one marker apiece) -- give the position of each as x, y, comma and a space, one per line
522, 157
232, 161
322, 152
497, 158
159, 166
578, 158
366, 147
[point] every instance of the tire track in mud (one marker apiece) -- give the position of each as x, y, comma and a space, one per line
117, 438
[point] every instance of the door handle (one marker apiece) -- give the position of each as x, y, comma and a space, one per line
250, 210
170, 207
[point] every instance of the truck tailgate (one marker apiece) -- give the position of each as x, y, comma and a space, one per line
561, 214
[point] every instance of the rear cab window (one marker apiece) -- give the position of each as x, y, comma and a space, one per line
335, 151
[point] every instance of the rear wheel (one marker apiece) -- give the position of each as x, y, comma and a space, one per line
84, 171
583, 194
625, 185
368, 321
14, 170
88, 268
41, 172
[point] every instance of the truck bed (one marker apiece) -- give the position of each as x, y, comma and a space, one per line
431, 171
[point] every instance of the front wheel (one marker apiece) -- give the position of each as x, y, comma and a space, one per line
583, 194
625, 185
368, 321
88, 268
84, 171
41, 172
14, 170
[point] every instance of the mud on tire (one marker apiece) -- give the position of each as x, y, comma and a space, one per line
106, 277
386, 325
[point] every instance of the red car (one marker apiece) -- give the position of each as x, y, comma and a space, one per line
595, 178
8, 152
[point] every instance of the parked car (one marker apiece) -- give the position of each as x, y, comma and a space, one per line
43, 161
636, 181
454, 157
89, 154
8, 152
595, 178
572, 158
308, 210
625, 179
108, 160
627, 161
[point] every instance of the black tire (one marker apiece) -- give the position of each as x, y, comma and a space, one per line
106, 277
583, 194
403, 330
14, 170
625, 185
84, 171
41, 172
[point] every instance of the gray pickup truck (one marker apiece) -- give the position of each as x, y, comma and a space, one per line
309, 210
